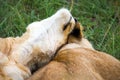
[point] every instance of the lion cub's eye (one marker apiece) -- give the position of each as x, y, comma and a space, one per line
65, 26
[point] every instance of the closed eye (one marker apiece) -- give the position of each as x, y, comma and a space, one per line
66, 25
64, 28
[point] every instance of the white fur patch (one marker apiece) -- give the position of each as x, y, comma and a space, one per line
47, 35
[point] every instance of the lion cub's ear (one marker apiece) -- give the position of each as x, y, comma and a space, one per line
77, 33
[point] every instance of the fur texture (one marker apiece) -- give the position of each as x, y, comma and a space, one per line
36, 46
79, 61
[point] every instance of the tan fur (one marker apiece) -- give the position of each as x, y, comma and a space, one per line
80, 64
7, 45
3, 76
11, 43
79, 61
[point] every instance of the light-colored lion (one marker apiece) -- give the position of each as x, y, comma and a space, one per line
36, 46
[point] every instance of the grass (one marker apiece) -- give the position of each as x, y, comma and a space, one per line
100, 18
